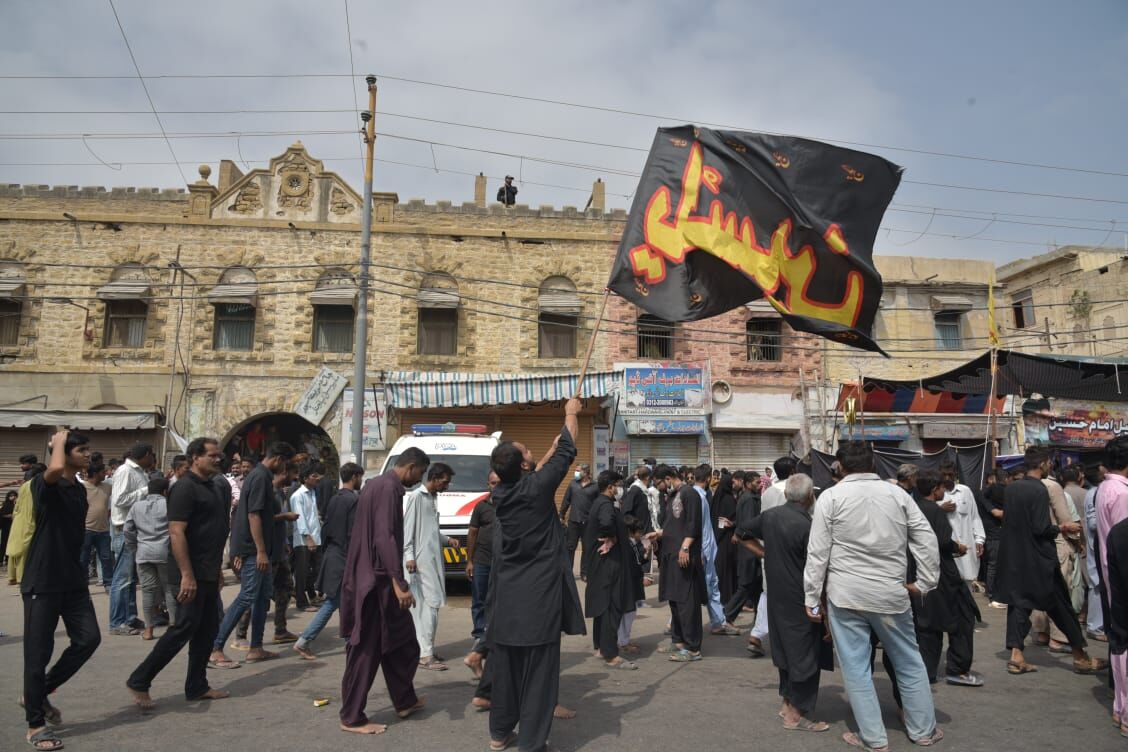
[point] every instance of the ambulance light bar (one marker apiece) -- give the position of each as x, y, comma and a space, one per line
446, 429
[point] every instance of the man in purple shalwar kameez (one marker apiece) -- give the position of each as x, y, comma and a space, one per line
375, 599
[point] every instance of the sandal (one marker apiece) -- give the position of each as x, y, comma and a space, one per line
684, 656
505, 743
931, 740
668, 649
806, 724
45, 737
622, 665
856, 741
1090, 666
725, 631
226, 663
431, 664
1019, 668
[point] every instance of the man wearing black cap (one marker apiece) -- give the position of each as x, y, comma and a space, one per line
507, 194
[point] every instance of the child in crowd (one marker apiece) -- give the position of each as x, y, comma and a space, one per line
642, 558
146, 532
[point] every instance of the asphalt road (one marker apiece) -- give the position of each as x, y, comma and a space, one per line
724, 701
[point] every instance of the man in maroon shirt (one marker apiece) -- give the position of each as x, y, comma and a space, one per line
375, 599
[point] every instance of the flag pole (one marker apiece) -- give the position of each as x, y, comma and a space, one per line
591, 343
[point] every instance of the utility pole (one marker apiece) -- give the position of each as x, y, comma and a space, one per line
361, 334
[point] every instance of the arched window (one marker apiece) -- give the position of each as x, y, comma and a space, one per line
235, 299
334, 311
437, 304
558, 318
127, 309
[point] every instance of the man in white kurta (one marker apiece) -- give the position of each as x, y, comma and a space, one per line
966, 525
423, 559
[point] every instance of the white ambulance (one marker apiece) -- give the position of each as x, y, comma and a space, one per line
466, 448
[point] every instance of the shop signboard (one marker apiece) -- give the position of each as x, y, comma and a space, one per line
1086, 424
675, 426
375, 422
666, 389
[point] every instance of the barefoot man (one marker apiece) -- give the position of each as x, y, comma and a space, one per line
199, 506
375, 599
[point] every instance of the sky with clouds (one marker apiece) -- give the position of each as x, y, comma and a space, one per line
1035, 81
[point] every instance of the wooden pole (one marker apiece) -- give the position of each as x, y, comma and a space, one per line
989, 448
591, 344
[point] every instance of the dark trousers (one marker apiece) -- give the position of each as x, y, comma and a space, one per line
479, 586
361, 664
575, 535
686, 627
100, 544
304, 592
1060, 611
485, 681
42, 612
525, 691
960, 649
605, 632
196, 625
748, 592
991, 553
801, 695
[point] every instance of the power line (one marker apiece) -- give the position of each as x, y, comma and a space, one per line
694, 327
543, 160
145, 87
579, 105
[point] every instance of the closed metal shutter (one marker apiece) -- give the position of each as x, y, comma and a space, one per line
538, 433
744, 450
667, 450
116, 443
18, 441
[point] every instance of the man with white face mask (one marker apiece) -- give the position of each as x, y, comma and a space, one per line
578, 497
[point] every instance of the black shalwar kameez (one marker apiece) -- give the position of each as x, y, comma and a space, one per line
684, 588
613, 580
534, 599
799, 649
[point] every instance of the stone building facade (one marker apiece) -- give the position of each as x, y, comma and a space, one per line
212, 310
933, 318
1069, 301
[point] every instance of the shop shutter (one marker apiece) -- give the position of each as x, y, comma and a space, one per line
668, 450
116, 443
744, 450
18, 441
538, 433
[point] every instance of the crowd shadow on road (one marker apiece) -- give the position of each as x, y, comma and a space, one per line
245, 685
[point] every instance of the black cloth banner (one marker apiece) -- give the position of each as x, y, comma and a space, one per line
969, 464
723, 218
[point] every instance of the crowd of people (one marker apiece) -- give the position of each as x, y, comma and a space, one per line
865, 565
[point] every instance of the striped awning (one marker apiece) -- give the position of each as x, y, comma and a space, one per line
415, 389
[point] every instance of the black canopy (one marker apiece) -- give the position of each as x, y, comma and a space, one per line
1022, 374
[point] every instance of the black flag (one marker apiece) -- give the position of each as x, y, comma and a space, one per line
723, 218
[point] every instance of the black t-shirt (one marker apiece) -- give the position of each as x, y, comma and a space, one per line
280, 530
53, 559
257, 496
483, 518
206, 506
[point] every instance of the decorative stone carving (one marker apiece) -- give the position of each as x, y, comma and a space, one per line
294, 188
339, 202
248, 200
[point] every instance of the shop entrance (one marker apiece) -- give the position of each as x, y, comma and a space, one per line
253, 436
